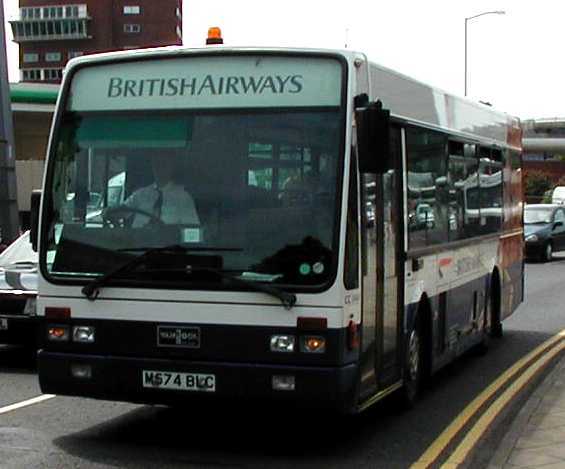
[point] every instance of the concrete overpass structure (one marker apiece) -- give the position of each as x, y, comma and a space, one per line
544, 135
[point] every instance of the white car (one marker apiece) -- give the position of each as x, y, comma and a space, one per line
425, 216
18, 292
558, 195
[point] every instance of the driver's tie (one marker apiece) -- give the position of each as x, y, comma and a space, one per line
157, 207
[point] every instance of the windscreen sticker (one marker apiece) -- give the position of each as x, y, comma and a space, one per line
318, 268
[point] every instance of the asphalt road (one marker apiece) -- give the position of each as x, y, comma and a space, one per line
67, 432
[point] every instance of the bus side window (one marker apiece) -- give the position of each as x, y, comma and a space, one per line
463, 191
471, 195
428, 192
490, 182
456, 178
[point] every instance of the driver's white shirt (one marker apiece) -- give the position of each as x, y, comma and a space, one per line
177, 208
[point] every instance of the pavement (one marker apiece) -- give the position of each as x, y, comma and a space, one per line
536, 437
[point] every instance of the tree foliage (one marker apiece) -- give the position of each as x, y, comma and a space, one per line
537, 183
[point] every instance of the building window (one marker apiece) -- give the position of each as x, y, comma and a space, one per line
72, 11
53, 57
53, 74
132, 28
132, 10
54, 12
31, 74
30, 13
31, 57
74, 54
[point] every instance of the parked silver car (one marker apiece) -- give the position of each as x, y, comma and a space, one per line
18, 292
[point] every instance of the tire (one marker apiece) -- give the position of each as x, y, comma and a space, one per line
413, 367
493, 311
482, 347
547, 255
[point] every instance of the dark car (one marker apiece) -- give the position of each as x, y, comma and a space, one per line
544, 230
18, 292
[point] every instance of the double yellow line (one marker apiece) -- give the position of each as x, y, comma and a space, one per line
535, 361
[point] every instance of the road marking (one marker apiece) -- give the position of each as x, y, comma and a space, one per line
440, 444
462, 451
19, 405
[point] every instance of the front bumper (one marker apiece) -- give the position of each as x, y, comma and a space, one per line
17, 329
120, 378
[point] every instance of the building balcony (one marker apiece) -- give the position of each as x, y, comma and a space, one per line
50, 29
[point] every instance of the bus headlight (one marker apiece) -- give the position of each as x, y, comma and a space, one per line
282, 343
532, 238
84, 334
313, 344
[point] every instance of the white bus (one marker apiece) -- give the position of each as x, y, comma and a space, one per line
302, 278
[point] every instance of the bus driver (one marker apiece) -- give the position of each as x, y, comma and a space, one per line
165, 198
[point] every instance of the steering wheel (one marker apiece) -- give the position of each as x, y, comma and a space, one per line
119, 217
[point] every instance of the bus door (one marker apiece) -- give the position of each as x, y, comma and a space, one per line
383, 272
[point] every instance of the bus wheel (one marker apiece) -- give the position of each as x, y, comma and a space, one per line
413, 366
493, 313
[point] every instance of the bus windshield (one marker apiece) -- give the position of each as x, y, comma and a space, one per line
254, 193
236, 159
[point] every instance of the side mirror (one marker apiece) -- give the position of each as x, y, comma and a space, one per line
372, 136
557, 224
34, 221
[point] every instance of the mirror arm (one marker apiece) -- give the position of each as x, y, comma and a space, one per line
34, 219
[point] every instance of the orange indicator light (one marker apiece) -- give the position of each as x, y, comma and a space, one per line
58, 333
214, 36
314, 344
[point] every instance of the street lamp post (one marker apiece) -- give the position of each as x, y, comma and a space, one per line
498, 12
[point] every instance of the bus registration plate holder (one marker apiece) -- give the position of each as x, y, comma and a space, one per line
178, 381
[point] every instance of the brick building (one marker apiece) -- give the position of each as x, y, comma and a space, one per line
50, 32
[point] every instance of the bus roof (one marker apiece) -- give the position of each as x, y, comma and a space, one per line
412, 100
407, 98
175, 51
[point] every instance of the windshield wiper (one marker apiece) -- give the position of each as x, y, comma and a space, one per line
287, 299
92, 289
180, 248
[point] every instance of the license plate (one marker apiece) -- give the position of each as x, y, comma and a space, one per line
178, 381
3, 324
